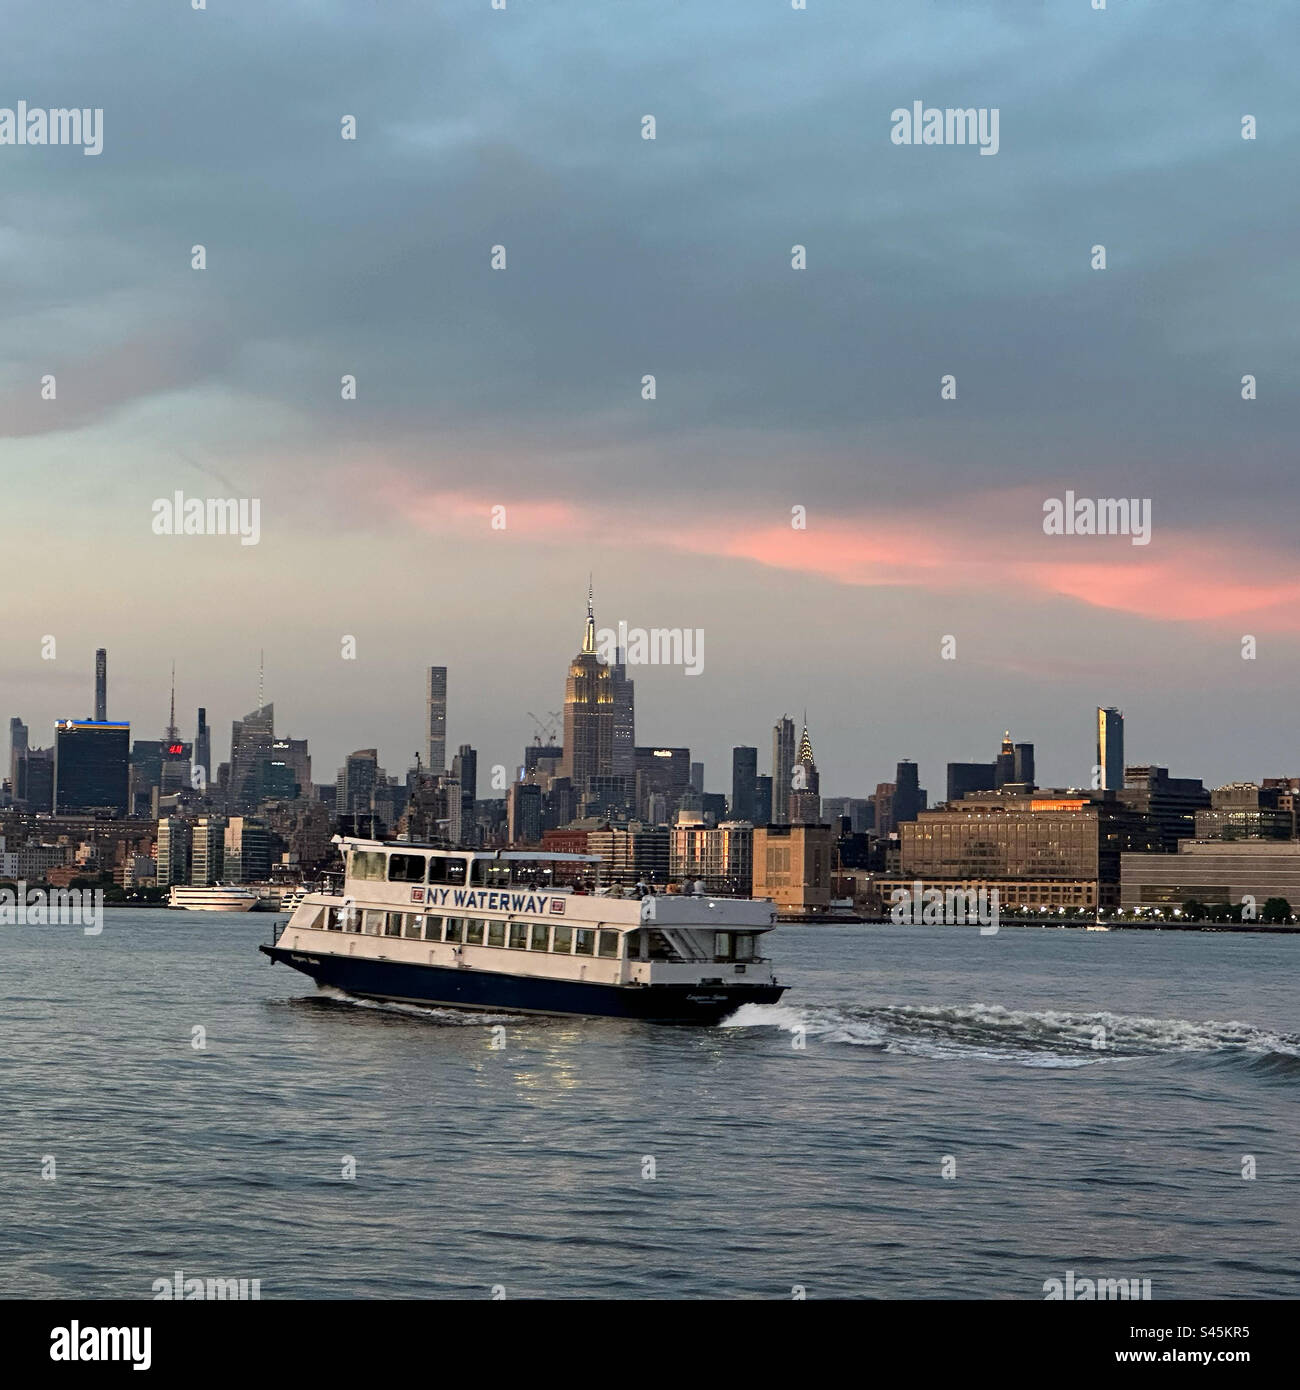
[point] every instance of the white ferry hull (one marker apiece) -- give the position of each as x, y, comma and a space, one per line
212, 900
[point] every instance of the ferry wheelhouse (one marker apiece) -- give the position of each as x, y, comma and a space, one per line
522, 932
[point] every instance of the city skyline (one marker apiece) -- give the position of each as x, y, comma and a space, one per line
776, 388
718, 773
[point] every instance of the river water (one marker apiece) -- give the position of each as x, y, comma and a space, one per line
1098, 1099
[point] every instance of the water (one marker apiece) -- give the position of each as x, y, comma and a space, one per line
775, 1165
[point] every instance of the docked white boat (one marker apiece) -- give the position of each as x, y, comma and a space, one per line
215, 899
495, 931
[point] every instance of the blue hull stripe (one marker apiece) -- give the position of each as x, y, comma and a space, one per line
485, 989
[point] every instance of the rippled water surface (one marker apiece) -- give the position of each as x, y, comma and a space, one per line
1099, 1096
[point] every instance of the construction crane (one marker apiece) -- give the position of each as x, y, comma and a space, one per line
547, 728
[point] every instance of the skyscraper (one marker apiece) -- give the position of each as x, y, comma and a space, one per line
1006, 763
1025, 763
464, 770
436, 720
762, 800
91, 766
805, 791
355, 784
697, 777
782, 769
588, 713
203, 746
909, 798
964, 778
250, 747
1110, 748
744, 776
624, 717
101, 685
17, 752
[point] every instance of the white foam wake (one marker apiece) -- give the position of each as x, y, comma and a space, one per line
1042, 1037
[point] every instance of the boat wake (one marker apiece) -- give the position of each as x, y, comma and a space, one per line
1031, 1038
430, 1012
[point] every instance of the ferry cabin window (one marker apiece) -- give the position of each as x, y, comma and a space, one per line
393, 927
490, 874
518, 935
585, 944
563, 940
609, 945
351, 918
335, 920
722, 945
474, 931
406, 868
446, 870
414, 926
496, 934
538, 933
452, 930
744, 945
433, 928
374, 922
367, 863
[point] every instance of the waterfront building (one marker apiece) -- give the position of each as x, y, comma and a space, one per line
793, 865
173, 851
207, 851
720, 855
1213, 871
246, 851
1050, 848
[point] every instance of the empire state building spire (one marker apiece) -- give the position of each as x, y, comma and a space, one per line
589, 636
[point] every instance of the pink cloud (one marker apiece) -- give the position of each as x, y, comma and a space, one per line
1180, 577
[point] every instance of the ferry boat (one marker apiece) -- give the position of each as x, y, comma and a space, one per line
495, 931
215, 899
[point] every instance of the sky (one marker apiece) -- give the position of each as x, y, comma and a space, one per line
781, 395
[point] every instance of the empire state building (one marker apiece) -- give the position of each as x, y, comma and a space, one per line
588, 713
